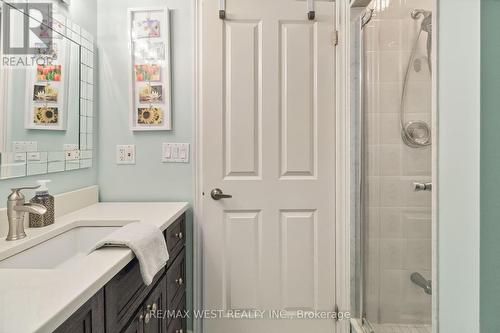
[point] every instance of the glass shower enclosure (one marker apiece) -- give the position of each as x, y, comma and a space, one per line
391, 103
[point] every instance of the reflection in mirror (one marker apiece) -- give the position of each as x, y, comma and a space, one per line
46, 107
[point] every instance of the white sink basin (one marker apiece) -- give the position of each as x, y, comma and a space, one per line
60, 251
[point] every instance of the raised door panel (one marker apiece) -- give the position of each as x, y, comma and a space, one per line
298, 104
137, 324
155, 307
243, 99
124, 295
176, 279
88, 319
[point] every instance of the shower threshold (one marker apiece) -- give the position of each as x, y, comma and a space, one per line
357, 327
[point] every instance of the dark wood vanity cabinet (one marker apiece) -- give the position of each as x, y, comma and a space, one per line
87, 319
126, 305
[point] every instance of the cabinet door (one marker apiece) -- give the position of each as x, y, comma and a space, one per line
155, 307
137, 324
88, 319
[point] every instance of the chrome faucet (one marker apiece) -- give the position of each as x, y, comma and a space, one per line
16, 210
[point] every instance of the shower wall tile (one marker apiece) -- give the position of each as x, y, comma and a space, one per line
373, 219
372, 161
372, 128
391, 35
389, 128
419, 96
399, 219
389, 66
416, 162
371, 60
418, 255
391, 223
372, 188
390, 160
391, 9
389, 97
392, 253
371, 39
391, 194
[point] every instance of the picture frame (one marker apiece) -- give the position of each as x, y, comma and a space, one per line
150, 71
47, 86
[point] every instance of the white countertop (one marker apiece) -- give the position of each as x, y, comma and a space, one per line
39, 300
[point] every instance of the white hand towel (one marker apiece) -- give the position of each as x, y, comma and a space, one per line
147, 243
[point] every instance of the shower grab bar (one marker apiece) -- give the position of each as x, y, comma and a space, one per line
422, 282
419, 187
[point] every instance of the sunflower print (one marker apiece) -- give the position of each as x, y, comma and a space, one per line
150, 116
46, 115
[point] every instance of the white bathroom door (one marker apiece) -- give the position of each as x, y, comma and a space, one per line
268, 139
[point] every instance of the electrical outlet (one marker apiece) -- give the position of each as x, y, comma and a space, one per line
125, 154
72, 155
175, 153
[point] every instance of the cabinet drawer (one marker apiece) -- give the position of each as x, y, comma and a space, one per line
175, 235
178, 324
124, 295
176, 279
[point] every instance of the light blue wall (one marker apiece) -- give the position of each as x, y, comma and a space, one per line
458, 170
148, 179
82, 12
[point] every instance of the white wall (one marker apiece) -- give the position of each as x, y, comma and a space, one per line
458, 171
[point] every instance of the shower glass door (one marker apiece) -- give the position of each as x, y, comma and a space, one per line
395, 47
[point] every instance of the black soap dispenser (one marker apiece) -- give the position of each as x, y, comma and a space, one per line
43, 198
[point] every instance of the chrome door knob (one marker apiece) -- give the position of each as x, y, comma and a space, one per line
217, 194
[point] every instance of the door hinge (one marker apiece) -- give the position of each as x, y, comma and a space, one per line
336, 37
336, 312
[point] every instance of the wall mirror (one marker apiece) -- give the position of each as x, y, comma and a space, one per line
46, 106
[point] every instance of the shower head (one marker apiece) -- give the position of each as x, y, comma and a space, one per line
426, 22
417, 13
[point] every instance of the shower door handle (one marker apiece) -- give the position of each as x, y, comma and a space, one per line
419, 187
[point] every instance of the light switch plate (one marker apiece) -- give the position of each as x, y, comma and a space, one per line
25, 146
20, 157
34, 156
125, 154
175, 153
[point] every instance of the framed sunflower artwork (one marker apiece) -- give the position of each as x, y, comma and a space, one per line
47, 89
150, 91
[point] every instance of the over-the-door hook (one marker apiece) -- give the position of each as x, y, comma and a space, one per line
311, 14
222, 9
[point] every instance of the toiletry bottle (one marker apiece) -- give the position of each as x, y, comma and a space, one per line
42, 197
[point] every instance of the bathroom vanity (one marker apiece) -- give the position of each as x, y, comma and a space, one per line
72, 291
125, 304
